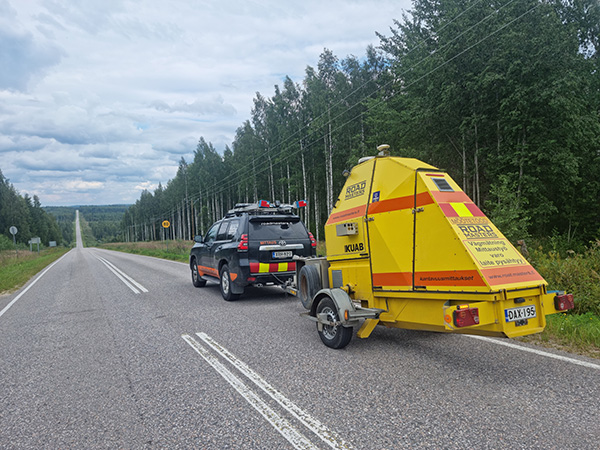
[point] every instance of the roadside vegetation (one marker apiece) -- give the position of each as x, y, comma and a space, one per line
178, 250
15, 270
576, 272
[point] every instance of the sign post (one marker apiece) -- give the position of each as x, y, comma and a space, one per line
166, 224
13, 231
35, 240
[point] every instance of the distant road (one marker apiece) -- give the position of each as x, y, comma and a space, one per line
112, 350
78, 238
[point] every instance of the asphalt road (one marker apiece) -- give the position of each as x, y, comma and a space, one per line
110, 350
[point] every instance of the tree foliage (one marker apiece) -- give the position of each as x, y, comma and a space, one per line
504, 95
26, 214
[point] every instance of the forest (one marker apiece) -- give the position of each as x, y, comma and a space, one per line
104, 220
27, 215
52, 223
504, 95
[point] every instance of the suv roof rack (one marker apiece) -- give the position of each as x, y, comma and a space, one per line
262, 207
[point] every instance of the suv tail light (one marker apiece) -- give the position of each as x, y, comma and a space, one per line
564, 302
243, 244
313, 242
465, 316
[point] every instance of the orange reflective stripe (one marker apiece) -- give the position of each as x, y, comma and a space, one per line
514, 274
438, 278
399, 203
451, 197
347, 214
203, 270
392, 279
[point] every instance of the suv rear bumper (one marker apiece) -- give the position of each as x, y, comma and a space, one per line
264, 273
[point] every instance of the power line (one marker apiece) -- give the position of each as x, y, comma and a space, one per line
231, 180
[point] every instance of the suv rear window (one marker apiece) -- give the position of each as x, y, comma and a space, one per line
233, 227
277, 228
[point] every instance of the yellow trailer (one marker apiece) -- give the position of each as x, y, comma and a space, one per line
407, 248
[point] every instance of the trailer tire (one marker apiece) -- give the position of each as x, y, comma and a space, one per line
309, 283
337, 336
226, 284
196, 278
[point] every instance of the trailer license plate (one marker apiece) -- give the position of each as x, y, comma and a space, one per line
282, 255
520, 313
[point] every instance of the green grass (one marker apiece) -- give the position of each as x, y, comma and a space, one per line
576, 333
583, 329
177, 250
16, 271
575, 273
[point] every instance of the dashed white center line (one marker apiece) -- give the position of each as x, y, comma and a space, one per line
326, 435
126, 279
279, 423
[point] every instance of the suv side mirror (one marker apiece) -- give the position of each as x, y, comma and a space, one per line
198, 239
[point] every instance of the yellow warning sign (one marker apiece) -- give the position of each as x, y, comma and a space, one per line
486, 243
494, 253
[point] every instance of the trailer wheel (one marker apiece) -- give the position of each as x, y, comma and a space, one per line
309, 283
196, 279
225, 278
333, 336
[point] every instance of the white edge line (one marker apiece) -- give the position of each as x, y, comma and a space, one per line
278, 422
326, 435
537, 352
130, 286
14, 300
139, 286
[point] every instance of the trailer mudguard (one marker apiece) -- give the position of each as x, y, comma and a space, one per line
342, 302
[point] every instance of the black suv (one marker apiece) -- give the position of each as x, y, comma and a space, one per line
254, 244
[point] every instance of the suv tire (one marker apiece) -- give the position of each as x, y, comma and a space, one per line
225, 283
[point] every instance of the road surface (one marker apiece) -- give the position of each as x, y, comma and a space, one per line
111, 350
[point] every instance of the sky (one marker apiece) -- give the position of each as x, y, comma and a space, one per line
100, 99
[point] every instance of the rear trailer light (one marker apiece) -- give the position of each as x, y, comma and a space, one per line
564, 302
243, 244
465, 316
313, 241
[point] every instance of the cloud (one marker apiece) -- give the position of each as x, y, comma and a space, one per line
114, 93
22, 57
147, 186
80, 185
211, 107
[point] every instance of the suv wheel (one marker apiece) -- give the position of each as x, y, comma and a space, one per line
196, 279
225, 283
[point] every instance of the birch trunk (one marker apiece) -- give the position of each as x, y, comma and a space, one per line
305, 197
329, 169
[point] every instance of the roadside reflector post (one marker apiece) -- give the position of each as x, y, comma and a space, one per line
166, 224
